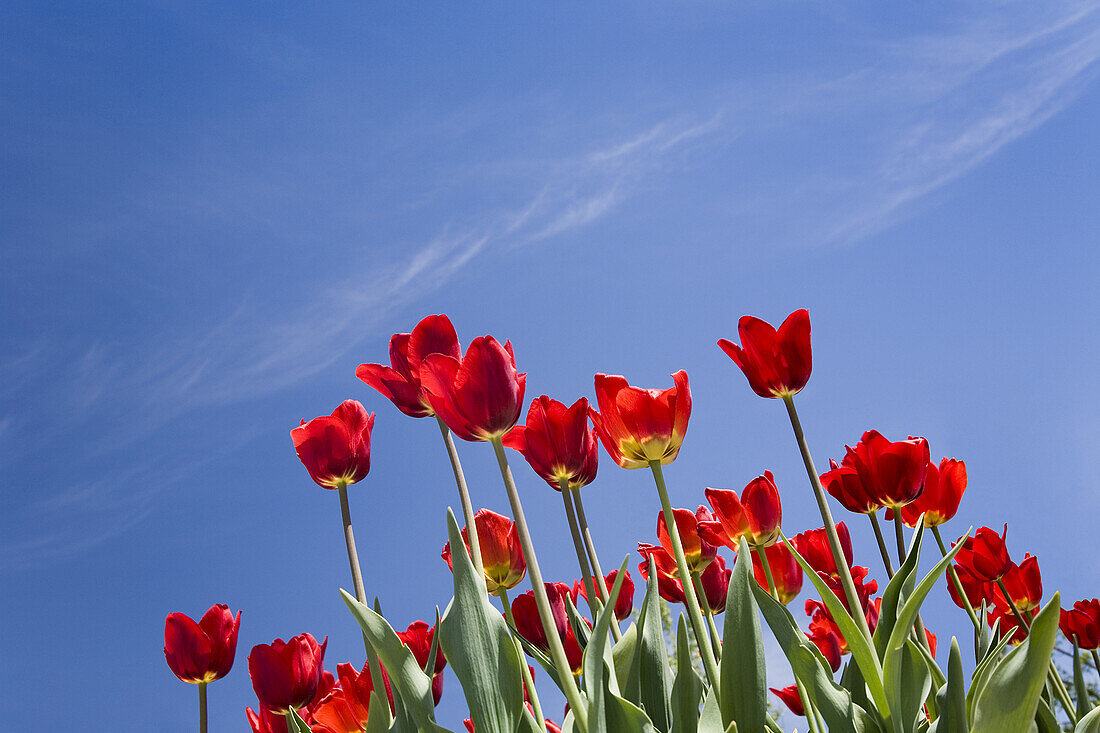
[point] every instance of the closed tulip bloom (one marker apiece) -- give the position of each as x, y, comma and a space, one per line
843, 484
1081, 624
984, 555
400, 382
335, 448
624, 603
639, 425
813, 546
203, 651
1024, 584
529, 624
558, 442
346, 707
263, 720
418, 638
777, 363
943, 489
501, 555
891, 472
715, 579
790, 697
697, 550
786, 572
479, 397
287, 674
756, 515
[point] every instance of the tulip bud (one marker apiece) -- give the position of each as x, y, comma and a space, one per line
790, 697
203, 651
776, 363
638, 425
418, 638
943, 489
984, 555
501, 555
529, 624
756, 516
698, 551
287, 674
1081, 624
557, 442
335, 448
786, 572
813, 546
624, 604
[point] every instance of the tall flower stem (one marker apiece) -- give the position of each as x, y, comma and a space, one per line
958, 583
827, 517
695, 614
578, 545
590, 547
767, 572
202, 707
873, 516
463, 493
1095, 659
899, 533
357, 581
557, 651
715, 638
528, 680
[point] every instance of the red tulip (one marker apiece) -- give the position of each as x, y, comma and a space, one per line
287, 674
1024, 584
400, 382
822, 619
550, 726
697, 550
529, 624
891, 473
715, 579
813, 546
479, 396
501, 555
638, 425
984, 555
786, 572
843, 484
418, 638
776, 363
790, 697
265, 721
335, 448
624, 603
829, 643
558, 442
977, 591
203, 651
346, 708
1081, 624
943, 489
931, 638
756, 516
1007, 622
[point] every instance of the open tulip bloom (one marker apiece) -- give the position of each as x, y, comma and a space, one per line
854, 640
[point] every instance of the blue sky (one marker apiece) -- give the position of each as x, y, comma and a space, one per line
213, 212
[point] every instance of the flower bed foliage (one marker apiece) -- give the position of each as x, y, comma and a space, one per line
619, 680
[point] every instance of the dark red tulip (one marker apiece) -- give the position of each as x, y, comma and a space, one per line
822, 620
786, 572
558, 442
335, 448
529, 624
777, 363
639, 425
829, 643
756, 516
400, 382
891, 473
843, 484
931, 638
624, 603
943, 489
479, 396
977, 591
1081, 624
984, 555
203, 651
1024, 584
715, 579
501, 554
418, 638
287, 674
697, 550
790, 697
813, 546
263, 720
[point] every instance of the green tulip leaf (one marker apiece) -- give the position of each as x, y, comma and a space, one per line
1090, 723
897, 591
1080, 689
951, 698
687, 689
743, 678
648, 682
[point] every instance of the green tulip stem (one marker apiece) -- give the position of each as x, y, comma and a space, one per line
463, 494
715, 638
357, 576
1095, 659
528, 680
873, 516
590, 547
595, 600
899, 534
542, 601
807, 708
695, 614
760, 553
958, 583
202, 707
830, 526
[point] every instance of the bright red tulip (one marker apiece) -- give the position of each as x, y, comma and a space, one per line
931, 638
479, 396
335, 448
203, 651
786, 572
756, 516
891, 473
790, 697
1081, 624
822, 620
287, 674
638, 425
1024, 584
501, 555
263, 720
829, 643
529, 624
624, 604
346, 708
843, 484
776, 363
977, 591
813, 546
715, 579
558, 442
400, 382
418, 638
984, 555
943, 489
697, 550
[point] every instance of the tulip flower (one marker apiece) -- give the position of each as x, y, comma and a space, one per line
335, 448
400, 382
1081, 624
638, 425
790, 697
287, 674
822, 620
418, 638
558, 442
756, 516
346, 707
777, 363
501, 555
1024, 584
479, 397
697, 550
263, 720
202, 652
785, 570
892, 474
550, 726
943, 489
529, 623
1007, 623
813, 546
829, 643
624, 604
984, 555
715, 577
977, 591
843, 484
